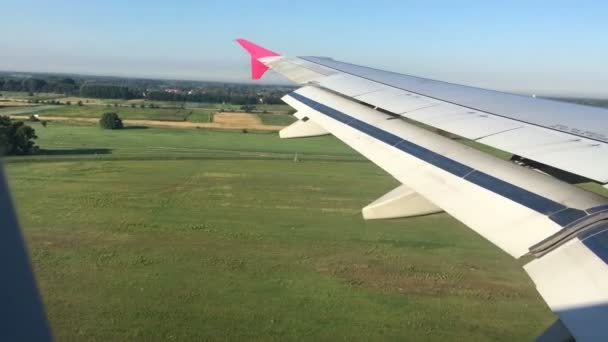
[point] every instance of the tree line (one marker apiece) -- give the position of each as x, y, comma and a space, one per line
215, 96
37, 85
107, 91
156, 90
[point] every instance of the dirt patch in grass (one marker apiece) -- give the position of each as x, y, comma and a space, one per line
236, 119
225, 122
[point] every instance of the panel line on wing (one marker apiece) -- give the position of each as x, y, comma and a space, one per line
553, 128
495, 133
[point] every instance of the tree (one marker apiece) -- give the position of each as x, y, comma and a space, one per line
110, 121
12, 85
69, 103
80, 103
32, 85
16, 137
248, 108
68, 81
106, 91
5, 123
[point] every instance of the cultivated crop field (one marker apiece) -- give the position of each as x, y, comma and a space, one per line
184, 234
16, 104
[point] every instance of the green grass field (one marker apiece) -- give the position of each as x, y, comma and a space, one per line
277, 119
95, 111
201, 115
168, 234
26, 111
125, 111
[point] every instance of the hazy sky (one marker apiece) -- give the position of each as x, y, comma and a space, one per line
543, 47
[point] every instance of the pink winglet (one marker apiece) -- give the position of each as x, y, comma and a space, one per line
257, 68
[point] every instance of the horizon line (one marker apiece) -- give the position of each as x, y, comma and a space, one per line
262, 83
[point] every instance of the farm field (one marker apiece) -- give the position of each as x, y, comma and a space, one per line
132, 109
185, 234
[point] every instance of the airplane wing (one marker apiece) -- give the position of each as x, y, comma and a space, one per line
525, 206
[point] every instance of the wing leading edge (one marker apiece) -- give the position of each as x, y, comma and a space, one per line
518, 209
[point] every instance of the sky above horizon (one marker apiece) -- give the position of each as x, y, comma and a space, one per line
538, 47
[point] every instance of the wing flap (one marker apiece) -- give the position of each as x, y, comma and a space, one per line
555, 149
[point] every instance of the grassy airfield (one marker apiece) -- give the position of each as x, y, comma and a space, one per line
169, 234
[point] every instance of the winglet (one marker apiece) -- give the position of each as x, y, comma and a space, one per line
255, 51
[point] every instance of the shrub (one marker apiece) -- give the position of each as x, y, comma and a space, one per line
110, 121
248, 108
16, 137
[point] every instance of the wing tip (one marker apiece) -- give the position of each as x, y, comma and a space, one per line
256, 52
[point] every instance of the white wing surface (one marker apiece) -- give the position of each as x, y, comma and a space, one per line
520, 210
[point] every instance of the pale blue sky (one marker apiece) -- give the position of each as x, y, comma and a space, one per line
544, 47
